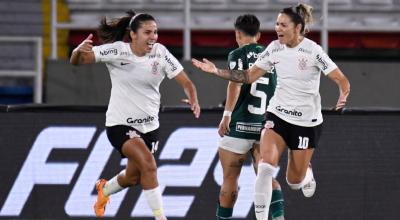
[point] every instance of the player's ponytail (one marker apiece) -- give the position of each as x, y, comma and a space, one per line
117, 29
300, 14
305, 11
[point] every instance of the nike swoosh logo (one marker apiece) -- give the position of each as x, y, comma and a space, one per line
122, 63
259, 211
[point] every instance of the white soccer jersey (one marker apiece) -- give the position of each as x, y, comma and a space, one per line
296, 98
135, 96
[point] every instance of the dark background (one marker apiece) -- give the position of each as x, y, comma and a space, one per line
356, 166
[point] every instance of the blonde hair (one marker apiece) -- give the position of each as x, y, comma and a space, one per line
300, 14
305, 11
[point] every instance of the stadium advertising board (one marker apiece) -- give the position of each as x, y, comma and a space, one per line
51, 160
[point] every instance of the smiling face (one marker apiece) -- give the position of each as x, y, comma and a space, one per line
286, 30
144, 38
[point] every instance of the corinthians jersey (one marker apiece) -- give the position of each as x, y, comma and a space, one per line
297, 99
135, 95
248, 114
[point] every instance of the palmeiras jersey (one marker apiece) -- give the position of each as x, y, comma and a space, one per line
297, 99
135, 95
248, 114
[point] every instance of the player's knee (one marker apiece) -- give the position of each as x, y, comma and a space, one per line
133, 180
149, 168
266, 169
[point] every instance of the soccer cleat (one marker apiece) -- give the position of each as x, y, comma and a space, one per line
101, 202
309, 188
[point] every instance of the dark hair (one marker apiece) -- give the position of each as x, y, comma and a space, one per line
117, 29
300, 14
248, 24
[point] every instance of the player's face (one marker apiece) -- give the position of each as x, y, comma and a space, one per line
146, 36
286, 30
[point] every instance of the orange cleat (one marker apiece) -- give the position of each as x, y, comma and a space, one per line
101, 202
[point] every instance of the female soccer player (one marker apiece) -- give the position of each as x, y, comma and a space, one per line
241, 123
294, 117
136, 69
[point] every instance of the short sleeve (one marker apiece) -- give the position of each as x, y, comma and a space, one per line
107, 52
264, 61
171, 65
323, 62
235, 62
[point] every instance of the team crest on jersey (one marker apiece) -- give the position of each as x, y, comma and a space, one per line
269, 124
302, 63
154, 68
232, 65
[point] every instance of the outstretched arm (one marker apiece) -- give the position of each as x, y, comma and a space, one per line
344, 87
241, 76
83, 54
190, 91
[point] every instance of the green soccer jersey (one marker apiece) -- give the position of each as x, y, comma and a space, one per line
248, 114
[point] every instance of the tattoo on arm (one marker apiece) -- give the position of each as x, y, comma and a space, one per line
241, 76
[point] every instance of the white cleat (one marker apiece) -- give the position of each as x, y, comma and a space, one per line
309, 189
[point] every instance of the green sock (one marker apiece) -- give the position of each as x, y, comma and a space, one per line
277, 204
223, 213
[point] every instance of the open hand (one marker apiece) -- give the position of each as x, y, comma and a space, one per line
206, 65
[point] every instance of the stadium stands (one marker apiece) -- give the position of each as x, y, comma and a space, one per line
18, 19
353, 24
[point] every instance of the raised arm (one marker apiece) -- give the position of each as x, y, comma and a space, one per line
83, 54
190, 91
344, 87
241, 76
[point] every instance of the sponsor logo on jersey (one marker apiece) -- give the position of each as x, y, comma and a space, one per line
124, 53
152, 56
323, 62
264, 54
123, 63
304, 50
277, 49
172, 64
232, 65
293, 112
109, 51
254, 128
148, 119
252, 54
302, 63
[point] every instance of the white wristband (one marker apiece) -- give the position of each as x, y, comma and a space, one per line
227, 113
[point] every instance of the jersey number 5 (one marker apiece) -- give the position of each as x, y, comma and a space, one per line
260, 94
